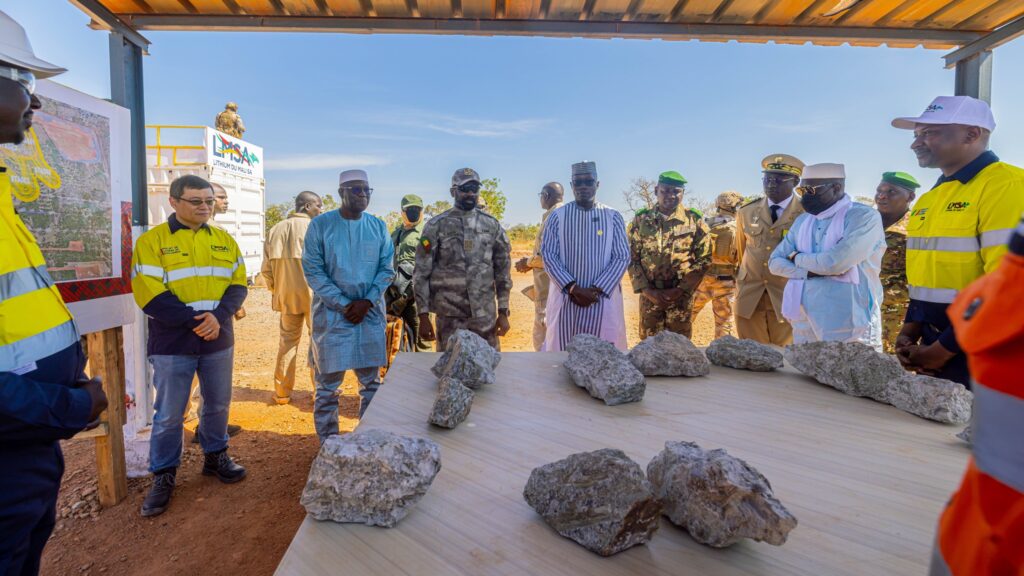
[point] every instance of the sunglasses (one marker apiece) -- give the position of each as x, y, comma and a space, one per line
811, 190
23, 77
584, 182
358, 190
196, 202
469, 187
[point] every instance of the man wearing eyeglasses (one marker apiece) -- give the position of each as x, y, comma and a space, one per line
550, 200
463, 269
832, 257
189, 279
44, 393
760, 226
348, 262
669, 253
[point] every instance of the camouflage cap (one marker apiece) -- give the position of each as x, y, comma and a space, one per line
728, 200
465, 175
411, 200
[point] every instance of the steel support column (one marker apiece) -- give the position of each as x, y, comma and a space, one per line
974, 76
126, 90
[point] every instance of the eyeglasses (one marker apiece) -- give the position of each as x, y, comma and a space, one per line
23, 77
358, 190
584, 182
670, 191
808, 190
196, 202
469, 187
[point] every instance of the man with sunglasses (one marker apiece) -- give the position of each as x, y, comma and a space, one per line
463, 266
550, 200
957, 231
832, 257
349, 263
585, 253
44, 393
760, 226
669, 252
189, 279
401, 297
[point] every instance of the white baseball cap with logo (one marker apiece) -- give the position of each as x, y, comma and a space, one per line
16, 50
952, 110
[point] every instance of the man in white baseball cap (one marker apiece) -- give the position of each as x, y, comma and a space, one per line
44, 393
957, 231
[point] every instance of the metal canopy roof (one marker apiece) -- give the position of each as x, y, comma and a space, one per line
896, 23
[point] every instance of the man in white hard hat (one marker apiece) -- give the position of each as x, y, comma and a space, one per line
44, 393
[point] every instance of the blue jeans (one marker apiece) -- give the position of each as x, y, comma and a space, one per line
325, 405
172, 377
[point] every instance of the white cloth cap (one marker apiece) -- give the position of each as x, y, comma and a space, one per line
824, 172
952, 110
16, 50
352, 176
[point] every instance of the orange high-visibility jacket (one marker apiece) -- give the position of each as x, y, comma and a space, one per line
981, 532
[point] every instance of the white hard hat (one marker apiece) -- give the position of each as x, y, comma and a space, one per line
16, 50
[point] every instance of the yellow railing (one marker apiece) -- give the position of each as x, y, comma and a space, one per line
159, 147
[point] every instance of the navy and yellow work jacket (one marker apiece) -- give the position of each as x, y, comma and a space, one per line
179, 273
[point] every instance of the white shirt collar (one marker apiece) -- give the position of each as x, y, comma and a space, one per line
783, 205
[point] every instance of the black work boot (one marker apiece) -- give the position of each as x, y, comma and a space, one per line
221, 465
159, 495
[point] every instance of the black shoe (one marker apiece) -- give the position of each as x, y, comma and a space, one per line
233, 430
159, 495
221, 465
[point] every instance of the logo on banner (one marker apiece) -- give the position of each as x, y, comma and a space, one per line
233, 152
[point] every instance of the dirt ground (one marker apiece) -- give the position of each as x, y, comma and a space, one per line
245, 528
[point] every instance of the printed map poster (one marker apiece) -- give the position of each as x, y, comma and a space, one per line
71, 180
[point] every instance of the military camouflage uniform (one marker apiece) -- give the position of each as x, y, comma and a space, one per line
893, 274
667, 252
463, 263
719, 283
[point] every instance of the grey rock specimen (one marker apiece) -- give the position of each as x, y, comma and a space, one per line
858, 370
599, 499
452, 403
604, 371
370, 477
967, 435
669, 354
469, 359
717, 498
744, 354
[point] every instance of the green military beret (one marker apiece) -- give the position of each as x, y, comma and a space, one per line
697, 212
411, 200
672, 178
901, 179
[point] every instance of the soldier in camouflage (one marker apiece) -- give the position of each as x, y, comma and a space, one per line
893, 198
719, 283
669, 253
463, 264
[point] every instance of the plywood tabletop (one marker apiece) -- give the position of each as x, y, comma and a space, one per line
866, 481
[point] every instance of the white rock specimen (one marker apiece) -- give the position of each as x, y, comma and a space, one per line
604, 371
744, 354
598, 499
469, 359
370, 477
669, 354
452, 403
858, 370
717, 498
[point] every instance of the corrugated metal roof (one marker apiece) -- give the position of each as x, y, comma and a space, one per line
899, 23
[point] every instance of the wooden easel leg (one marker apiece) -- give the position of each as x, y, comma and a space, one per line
106, 360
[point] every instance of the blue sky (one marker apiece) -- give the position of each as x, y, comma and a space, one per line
412, 109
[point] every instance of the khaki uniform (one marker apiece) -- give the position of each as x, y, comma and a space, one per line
463, 265
759, 292
719, 283
667, 252
895, 297
541, 283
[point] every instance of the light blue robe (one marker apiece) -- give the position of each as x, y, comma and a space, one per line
343, 261
832, 310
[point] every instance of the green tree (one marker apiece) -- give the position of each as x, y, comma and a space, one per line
523, 233
491, 194
276, 213
436, 208
392, 219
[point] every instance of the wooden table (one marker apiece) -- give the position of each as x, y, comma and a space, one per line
866, 481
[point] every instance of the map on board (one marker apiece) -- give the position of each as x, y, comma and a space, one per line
61, 178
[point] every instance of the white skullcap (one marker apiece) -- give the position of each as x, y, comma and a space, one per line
824, 171
352, 176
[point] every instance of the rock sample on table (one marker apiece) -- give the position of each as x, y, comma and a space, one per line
744, 354
370, 477
599, 499
858, 370
452, 403
604, 371
717, 498
469, 359
669, 354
